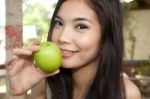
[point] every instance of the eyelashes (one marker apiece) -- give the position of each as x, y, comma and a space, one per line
81, 26
58, 23
78, 26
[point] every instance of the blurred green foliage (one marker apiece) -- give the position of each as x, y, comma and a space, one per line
36, 14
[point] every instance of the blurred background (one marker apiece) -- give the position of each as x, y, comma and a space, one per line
23, 20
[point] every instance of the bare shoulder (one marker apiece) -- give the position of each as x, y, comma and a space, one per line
132, 91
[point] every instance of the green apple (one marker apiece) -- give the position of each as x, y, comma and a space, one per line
48, 58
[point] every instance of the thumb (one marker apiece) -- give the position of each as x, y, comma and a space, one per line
37, 41
44, 74
53, 73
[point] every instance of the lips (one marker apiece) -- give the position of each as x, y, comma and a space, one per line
68, 53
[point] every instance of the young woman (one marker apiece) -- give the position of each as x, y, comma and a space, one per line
89, 34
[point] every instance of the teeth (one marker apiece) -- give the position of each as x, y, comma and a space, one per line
67, 52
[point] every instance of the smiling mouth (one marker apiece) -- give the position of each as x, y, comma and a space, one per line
68, 53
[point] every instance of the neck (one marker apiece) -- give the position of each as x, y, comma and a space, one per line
83, 78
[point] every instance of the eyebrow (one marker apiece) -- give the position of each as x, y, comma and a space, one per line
82, 19
58, 17
77, 19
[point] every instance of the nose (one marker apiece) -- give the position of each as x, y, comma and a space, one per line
65, 36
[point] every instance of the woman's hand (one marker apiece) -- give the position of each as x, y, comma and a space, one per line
22, 72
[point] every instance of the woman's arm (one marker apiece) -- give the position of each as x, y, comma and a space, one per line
39, 91
18, 97
131, 90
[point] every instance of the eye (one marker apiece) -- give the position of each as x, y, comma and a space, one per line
58, 23
81, 26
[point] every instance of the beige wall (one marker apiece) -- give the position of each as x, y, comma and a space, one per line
139, 25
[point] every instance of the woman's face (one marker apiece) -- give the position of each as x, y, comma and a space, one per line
78, 33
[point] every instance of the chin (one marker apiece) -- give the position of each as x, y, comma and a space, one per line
69, 66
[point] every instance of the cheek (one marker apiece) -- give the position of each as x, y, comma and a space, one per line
87, 43
91, 38
55, 36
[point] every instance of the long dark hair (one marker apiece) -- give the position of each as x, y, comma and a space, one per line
108, 82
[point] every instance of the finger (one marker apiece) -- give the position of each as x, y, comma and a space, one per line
33, 48
19, 51
54, 73
26, 51
47, 74
37, 41
17, 67
10, 60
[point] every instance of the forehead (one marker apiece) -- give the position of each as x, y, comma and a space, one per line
76, 8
